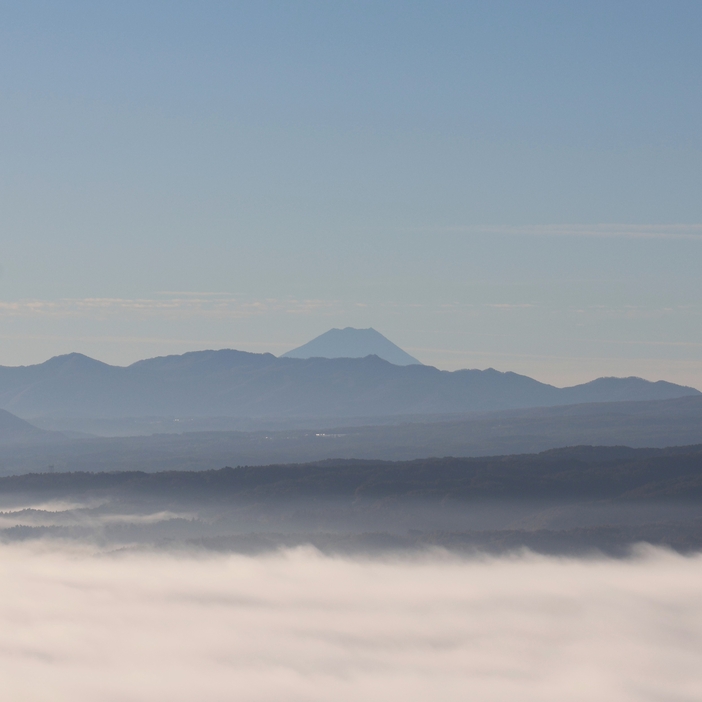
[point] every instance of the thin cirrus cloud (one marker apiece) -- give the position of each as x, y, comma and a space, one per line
691, 232
300, 626
224, 305
178, 305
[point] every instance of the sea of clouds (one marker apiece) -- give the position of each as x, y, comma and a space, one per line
83, 626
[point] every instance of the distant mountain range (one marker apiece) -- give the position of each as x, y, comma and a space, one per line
238, 384
353, 343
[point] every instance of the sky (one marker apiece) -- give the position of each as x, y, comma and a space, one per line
489, 184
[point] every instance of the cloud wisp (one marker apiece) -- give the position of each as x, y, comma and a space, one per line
691, 232
299, 626
217, 306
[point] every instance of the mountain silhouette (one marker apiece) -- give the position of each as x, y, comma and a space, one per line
353, 343
238, 384
14, 430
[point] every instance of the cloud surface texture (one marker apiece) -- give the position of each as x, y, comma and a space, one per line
83, 627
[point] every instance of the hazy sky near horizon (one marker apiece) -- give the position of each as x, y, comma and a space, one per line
503, 184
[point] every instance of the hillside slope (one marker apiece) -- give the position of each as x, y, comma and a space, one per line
15, 431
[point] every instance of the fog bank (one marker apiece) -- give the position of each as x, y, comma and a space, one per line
81, 626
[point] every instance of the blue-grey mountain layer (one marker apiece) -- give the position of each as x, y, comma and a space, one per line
239, 384
14, 430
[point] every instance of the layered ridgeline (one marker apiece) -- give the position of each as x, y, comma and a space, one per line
195, 445
238, 384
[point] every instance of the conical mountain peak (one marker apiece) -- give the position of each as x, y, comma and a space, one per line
353, 343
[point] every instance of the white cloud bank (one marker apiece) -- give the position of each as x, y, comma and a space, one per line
298, 626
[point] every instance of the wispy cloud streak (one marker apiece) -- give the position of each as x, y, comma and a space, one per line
691, 232
177, 306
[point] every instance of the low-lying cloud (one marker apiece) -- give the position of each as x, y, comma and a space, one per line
141, 626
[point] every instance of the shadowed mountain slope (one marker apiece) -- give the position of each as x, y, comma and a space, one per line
239, 384
353, 343
657, 423
15, 431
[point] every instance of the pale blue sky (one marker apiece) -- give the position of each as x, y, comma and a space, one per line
501, 184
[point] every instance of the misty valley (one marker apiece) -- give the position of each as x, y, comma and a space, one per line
566, 501
274, 453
